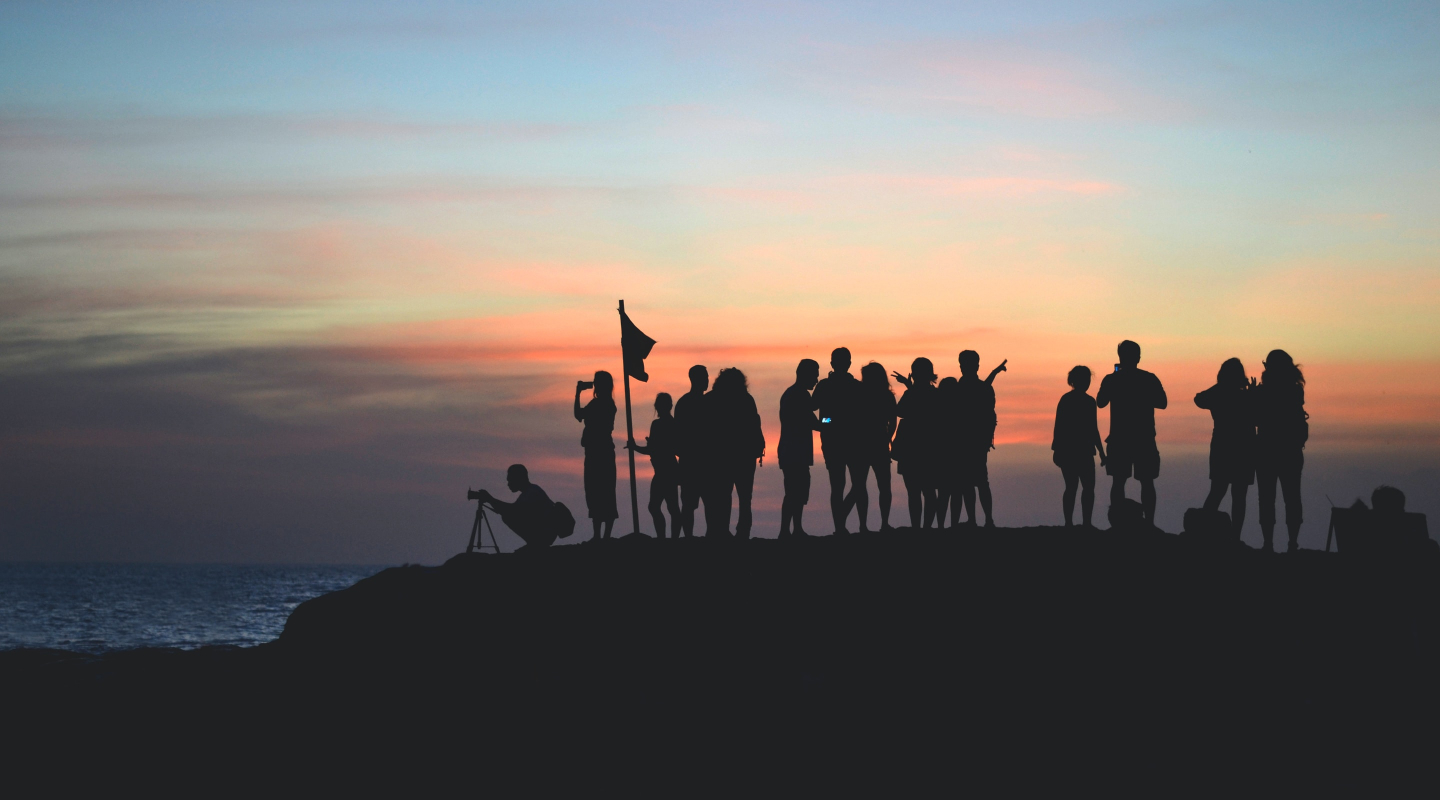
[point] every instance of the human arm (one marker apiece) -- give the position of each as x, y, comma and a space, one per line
991, 380
1099, 443
579, 412
903, 380
488, 499
642, 449
1102, 397
1160, 400
1206, 398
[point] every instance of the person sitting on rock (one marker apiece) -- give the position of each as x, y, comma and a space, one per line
530, 516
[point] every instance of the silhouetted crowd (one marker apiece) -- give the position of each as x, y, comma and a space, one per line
705, 446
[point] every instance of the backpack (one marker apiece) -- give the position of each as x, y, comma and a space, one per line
562, 520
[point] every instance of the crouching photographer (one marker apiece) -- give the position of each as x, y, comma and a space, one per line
532, 516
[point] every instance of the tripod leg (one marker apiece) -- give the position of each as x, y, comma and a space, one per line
475, 532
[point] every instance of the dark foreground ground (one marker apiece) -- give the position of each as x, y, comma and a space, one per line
912, 650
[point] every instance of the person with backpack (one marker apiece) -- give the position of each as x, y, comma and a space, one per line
532, 515
1282, 429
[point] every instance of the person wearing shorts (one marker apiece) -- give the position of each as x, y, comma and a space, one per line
1133, 396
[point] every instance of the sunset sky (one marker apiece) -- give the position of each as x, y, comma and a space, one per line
279, 281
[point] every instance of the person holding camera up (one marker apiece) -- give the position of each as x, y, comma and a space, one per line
599, 418
531, 516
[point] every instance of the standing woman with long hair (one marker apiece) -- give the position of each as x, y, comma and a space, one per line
915, 445
740, 442
1282, 430
1232, 445
875, 427
598, 415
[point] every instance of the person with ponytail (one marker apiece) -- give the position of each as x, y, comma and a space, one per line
1282, 429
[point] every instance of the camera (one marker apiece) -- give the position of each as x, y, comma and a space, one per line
1117, 367
587, 384
474, 494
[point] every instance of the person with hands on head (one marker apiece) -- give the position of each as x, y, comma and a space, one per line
531, 515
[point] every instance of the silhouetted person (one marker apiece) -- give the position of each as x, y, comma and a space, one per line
975, 414
1282, 428
838, 399
531, 515
874, 428
1132, 452
796, 451
1232, 444
1075, 443
660, 445
917, 441
946, 427
693, 441
739, 442
599, 418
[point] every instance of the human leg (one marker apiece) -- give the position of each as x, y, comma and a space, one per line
1290, 489
744, 473
689, 499
882, 486
1238, 491
1265, 478
1217, 493
859, 494
657, 500
1147, 499
836, 470
1087, 491
1071, 476
914, 499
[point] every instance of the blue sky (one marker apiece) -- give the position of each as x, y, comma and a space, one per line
381, 240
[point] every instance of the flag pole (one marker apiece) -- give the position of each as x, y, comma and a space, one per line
629, 428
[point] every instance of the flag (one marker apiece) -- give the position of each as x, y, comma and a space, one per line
636, 346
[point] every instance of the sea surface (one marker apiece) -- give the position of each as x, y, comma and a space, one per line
99, 607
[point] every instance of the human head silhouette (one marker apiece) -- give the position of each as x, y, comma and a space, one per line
969, 362
663, 403
604, 384
922, 371
840, 359
874, 375
517, 477
1232, 373
1280, 368
699, 378
1079, 378
731, 381
807, 373
1388, 499
1129, 353
948, 381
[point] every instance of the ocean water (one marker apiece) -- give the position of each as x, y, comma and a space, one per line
99, 607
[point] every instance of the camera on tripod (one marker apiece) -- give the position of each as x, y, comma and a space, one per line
477, 530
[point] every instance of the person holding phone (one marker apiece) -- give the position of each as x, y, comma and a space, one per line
797, 446
598, 417
838, 398
1133, 396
